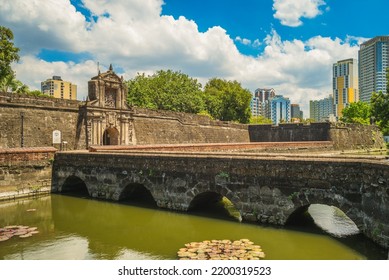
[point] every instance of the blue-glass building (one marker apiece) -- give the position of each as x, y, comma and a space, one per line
279, 109
373, 60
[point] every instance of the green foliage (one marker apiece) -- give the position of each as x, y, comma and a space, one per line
380, 110
205, 113
8, 52
227, 100
260, 120
308, 121
9, 83
223, 174
380, 107
293, 195
175, 91
166, 90
38, 93
357, 112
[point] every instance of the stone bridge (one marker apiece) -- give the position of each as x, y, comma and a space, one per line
265, 188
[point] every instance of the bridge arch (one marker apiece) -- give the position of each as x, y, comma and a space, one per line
138, 193
215, 201
75, 185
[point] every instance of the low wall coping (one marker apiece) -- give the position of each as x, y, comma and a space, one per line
28, 150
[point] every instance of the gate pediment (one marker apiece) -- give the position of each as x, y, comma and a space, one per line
107, 90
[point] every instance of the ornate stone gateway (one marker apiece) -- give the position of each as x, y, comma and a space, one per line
109, 120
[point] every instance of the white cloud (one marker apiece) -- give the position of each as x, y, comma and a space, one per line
244, 41
134, 37
32, 71
41, 24
300, 70
354, 40
289, 12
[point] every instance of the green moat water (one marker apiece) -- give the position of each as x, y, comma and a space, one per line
78, 228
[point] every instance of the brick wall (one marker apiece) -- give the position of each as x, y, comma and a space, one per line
25, 167
26, 155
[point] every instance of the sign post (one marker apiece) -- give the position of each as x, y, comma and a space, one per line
57, 137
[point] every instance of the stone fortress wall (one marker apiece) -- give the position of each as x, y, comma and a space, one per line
41, 116
343, 136
164, 127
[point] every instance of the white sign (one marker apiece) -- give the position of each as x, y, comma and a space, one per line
56, 137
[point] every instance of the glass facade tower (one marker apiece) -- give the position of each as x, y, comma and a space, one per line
373, 58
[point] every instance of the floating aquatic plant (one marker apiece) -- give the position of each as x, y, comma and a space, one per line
242, 249
21, 231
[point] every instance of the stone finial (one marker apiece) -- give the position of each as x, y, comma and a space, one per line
110, 67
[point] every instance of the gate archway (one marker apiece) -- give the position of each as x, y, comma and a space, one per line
111, 136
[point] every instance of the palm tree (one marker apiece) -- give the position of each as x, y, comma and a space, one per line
10, 84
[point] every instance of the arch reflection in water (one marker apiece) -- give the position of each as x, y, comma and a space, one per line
106, 230
329, 218
332, 220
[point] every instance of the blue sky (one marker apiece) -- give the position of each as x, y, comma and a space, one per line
289, 45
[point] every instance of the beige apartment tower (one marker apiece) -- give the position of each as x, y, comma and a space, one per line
58, 88
344, 84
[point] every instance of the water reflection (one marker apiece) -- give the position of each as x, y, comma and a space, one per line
76, 228
332, 220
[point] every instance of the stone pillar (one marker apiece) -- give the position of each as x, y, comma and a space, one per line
95, 129
99, 132
123, 92
131, 132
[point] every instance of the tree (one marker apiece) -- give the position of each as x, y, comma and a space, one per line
8, 52
380, 107
166, 90
9, 83
227, 100
357, 112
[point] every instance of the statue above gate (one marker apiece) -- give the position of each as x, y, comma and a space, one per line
107, 90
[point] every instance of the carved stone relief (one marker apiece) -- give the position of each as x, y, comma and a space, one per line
110, 98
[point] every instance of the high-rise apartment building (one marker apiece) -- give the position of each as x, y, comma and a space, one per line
373, 59
256, 107
58, 88
344, 84
295, 111
321, 110
264, 94
278, 109
258, 102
